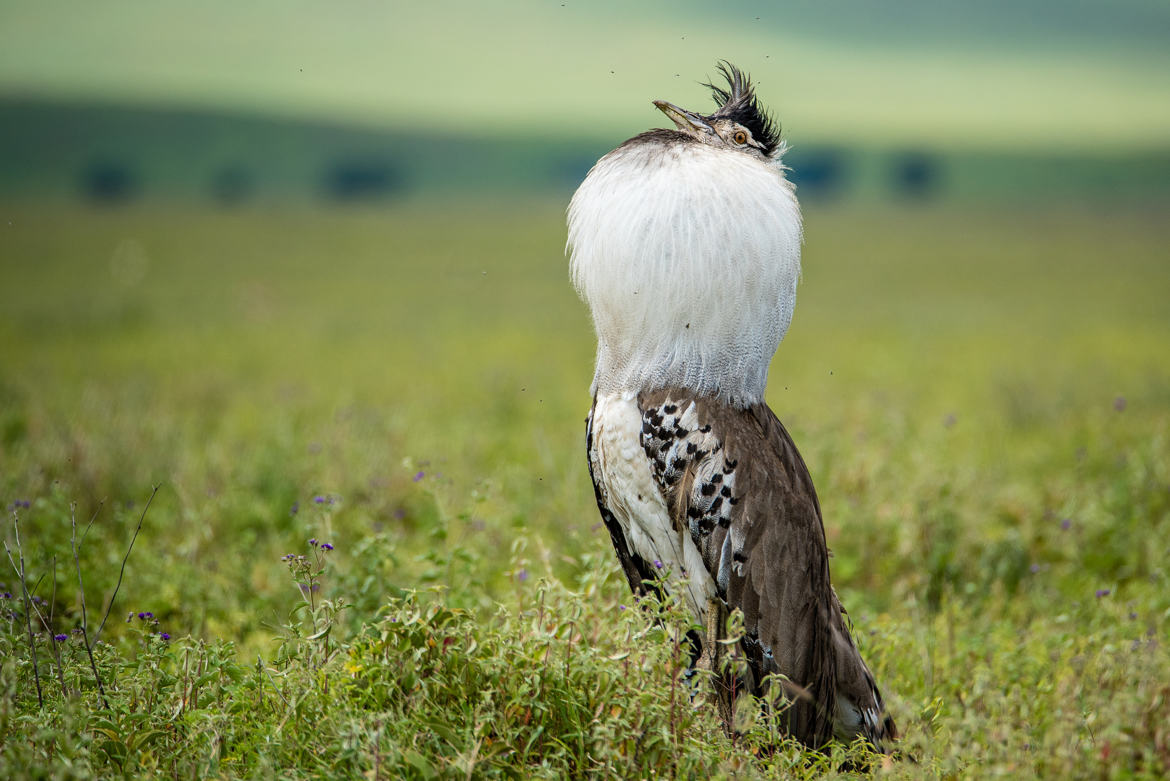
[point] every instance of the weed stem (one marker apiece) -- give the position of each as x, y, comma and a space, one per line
81, 587
32, 650
122, 571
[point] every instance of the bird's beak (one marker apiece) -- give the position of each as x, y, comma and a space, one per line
687, 121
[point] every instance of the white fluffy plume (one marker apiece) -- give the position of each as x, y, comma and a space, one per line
688, 257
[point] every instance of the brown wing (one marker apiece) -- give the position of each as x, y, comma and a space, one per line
738, 483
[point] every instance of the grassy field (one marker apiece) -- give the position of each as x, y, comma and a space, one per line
983, 398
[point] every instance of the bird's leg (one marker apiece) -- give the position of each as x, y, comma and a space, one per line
709, 658
714, 621
712, 660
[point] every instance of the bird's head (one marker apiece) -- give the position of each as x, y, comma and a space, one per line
738, 123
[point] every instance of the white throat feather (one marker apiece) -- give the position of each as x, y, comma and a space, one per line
688, 257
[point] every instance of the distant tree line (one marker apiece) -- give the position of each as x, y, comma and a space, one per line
113, 182
826, 173
820, 173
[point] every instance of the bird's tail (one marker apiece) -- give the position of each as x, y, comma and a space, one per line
860, 710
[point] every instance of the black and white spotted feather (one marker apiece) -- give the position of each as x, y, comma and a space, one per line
680, 450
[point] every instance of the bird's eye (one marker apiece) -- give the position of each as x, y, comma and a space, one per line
740, 137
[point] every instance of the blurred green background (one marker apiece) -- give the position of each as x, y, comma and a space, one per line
271, 251
231, 231
267, 253
294, 101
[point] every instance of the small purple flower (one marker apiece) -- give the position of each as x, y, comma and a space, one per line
1034, 568
419, 476
1132, 615
1066, 524
621, 607
658, 563
1119, 404
326, 546
6, 595
60, 638
313, 542
319, 499
522, 575
1103, 592
142, 615
164, 636
295, 506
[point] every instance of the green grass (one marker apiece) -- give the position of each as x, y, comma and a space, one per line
982, 398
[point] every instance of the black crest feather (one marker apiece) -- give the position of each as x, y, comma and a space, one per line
738, 103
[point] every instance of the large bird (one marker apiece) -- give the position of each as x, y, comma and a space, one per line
685, 244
